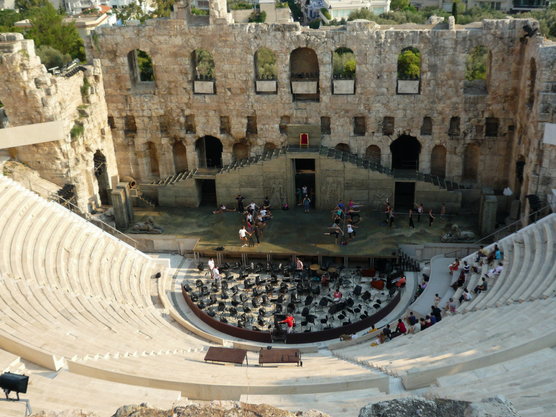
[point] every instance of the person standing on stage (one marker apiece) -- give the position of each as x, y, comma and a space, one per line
431, 218
411, 224
299, 265
240, 199
290, 321
211, 266
419, 211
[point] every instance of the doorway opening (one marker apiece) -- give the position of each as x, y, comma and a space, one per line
405, 153
209, 152
208, 193
305, 177
404, 196
101, 175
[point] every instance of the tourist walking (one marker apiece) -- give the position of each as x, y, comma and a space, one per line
411, 224
243, 236
431, 218
419, 211
306, 202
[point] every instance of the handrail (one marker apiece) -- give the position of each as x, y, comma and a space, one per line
504, 228
87, 217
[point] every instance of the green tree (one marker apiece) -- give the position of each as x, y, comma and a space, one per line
164, 8
26, 6
48, 28
340, 59
409, 63
455, 11
51, 57
266, 63
133, 10
552, 31
475, 63
399, 4
257, 17
362, 14
145, 64
204, 63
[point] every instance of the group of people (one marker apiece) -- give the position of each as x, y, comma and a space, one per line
304, 199
256, 218
390, 218
347, 214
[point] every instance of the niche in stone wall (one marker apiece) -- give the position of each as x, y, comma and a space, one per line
141, 68
325, 128
180, 156
454, 129
150, 155
251, 128
204, 72
189, 125
409, 71
240, 151
129, 124
476, 71
343, 71
359, 126
471, 163
269, 147
266, 71
491, 127
304, 69
388, 125
438, 161
373, 154
225, 124
101, 174
284, 122
426, 127
532, 81
111, 122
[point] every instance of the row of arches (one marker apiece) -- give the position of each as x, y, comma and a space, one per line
305, 61
405, 152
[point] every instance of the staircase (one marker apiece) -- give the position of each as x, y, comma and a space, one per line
172, 179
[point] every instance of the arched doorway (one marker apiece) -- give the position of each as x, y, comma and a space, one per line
180, 157
373, 154
471, 163
209, 152
304, 70
151, 158
342, 147
438, 161
405, 153
101, 174
240, 151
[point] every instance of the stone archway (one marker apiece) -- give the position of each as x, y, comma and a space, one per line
151, 159
342, 147
438, 161
405, 153
373, 154
471, 163
240, 151
209, 152
180, 157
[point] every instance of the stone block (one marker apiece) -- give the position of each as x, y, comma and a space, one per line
304, 87
408, 86
344, 86
204, 87
267, 86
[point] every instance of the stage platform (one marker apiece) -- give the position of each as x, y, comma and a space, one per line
291, 232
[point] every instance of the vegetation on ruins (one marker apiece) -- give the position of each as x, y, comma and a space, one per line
77, 131
476, 63
266, 63
257, 17
204, 63
239, 5
409, 63
51, 57
199, 12
343, 62
296, 10
145, 64
315, 24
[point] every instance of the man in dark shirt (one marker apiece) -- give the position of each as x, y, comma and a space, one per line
266, 203
482, 287
387, 332
412, 319
240, 199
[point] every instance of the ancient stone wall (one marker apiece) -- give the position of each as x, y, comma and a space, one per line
162, 111
31, 95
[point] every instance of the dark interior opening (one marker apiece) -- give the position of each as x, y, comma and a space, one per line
208, 195
405, 153
305, 176
209, 151
404, 197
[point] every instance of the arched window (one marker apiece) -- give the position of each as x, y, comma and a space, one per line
151, 159
409, 63
203, 64
471, 163
140, 67
265, 64
373, 154
342, 147
343, 63
304, 69
268, 147
438, 161
240, 151
476, 69
180, 156
209, 152
532, 81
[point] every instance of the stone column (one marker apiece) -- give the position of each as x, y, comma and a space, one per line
487, 214
124, 186
120, 209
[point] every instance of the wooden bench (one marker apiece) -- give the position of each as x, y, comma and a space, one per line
226, 355
280, 356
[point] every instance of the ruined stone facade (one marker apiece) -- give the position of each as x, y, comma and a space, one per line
469, 136
31, 95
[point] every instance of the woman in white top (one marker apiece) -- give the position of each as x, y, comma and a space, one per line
350, 230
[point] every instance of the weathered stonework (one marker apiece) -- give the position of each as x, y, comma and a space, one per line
170, 44
31, 95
